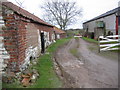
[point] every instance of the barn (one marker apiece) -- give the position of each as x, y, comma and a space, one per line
59, 34
105, 24
22, 36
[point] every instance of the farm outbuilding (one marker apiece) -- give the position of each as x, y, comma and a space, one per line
22, 36
105, 24
59, 34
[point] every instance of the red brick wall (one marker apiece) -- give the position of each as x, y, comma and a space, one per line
22, 41
63, 35
14, 39
18, 36
11, 40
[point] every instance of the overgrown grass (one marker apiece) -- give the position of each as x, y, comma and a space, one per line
13, 85
52, 48
74, 51
77, 38
48, 77
109, 42
90, 40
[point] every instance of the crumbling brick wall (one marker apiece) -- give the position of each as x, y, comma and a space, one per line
10, 38
63, 35
4, 55
15, 38
22, 38
21, 41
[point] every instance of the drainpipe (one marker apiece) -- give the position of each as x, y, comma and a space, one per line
117, 14
116, 25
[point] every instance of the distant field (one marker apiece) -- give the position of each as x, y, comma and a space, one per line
74, 32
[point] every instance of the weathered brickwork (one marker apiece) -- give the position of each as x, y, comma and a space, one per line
10, 38
32, 35
15, 41
22, 42
63, 35
22, 36
59, 34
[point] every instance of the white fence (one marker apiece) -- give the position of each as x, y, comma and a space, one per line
109, 43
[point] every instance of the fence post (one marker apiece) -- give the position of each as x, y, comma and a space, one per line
104, 30
98, 44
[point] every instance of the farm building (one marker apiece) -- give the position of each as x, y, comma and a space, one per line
105, 24
22, 36
59, 33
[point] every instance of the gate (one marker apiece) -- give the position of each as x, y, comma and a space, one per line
109, 43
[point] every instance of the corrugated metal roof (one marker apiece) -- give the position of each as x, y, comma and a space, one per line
24, 13
105, 14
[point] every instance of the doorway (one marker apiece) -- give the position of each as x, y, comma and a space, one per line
42, 43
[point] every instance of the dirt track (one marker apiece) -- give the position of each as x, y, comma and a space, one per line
90, 70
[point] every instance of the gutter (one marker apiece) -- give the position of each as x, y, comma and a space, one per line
102, 15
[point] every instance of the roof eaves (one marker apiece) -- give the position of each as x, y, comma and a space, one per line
103, 15
21, 12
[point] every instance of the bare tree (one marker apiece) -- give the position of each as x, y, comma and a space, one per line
61, 13
20, 3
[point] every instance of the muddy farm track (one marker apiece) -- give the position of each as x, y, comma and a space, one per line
89, 70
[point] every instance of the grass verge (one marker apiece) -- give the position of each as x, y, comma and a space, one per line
90, 40
74, 51
48, 77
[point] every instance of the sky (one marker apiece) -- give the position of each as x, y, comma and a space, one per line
91, 8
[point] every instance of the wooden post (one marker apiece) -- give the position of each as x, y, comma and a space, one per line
98, 44
104, 28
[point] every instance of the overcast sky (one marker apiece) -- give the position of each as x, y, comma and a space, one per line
91, 8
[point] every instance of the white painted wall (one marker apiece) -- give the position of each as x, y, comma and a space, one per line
46, 38
30, 52
53, 37
58, 36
